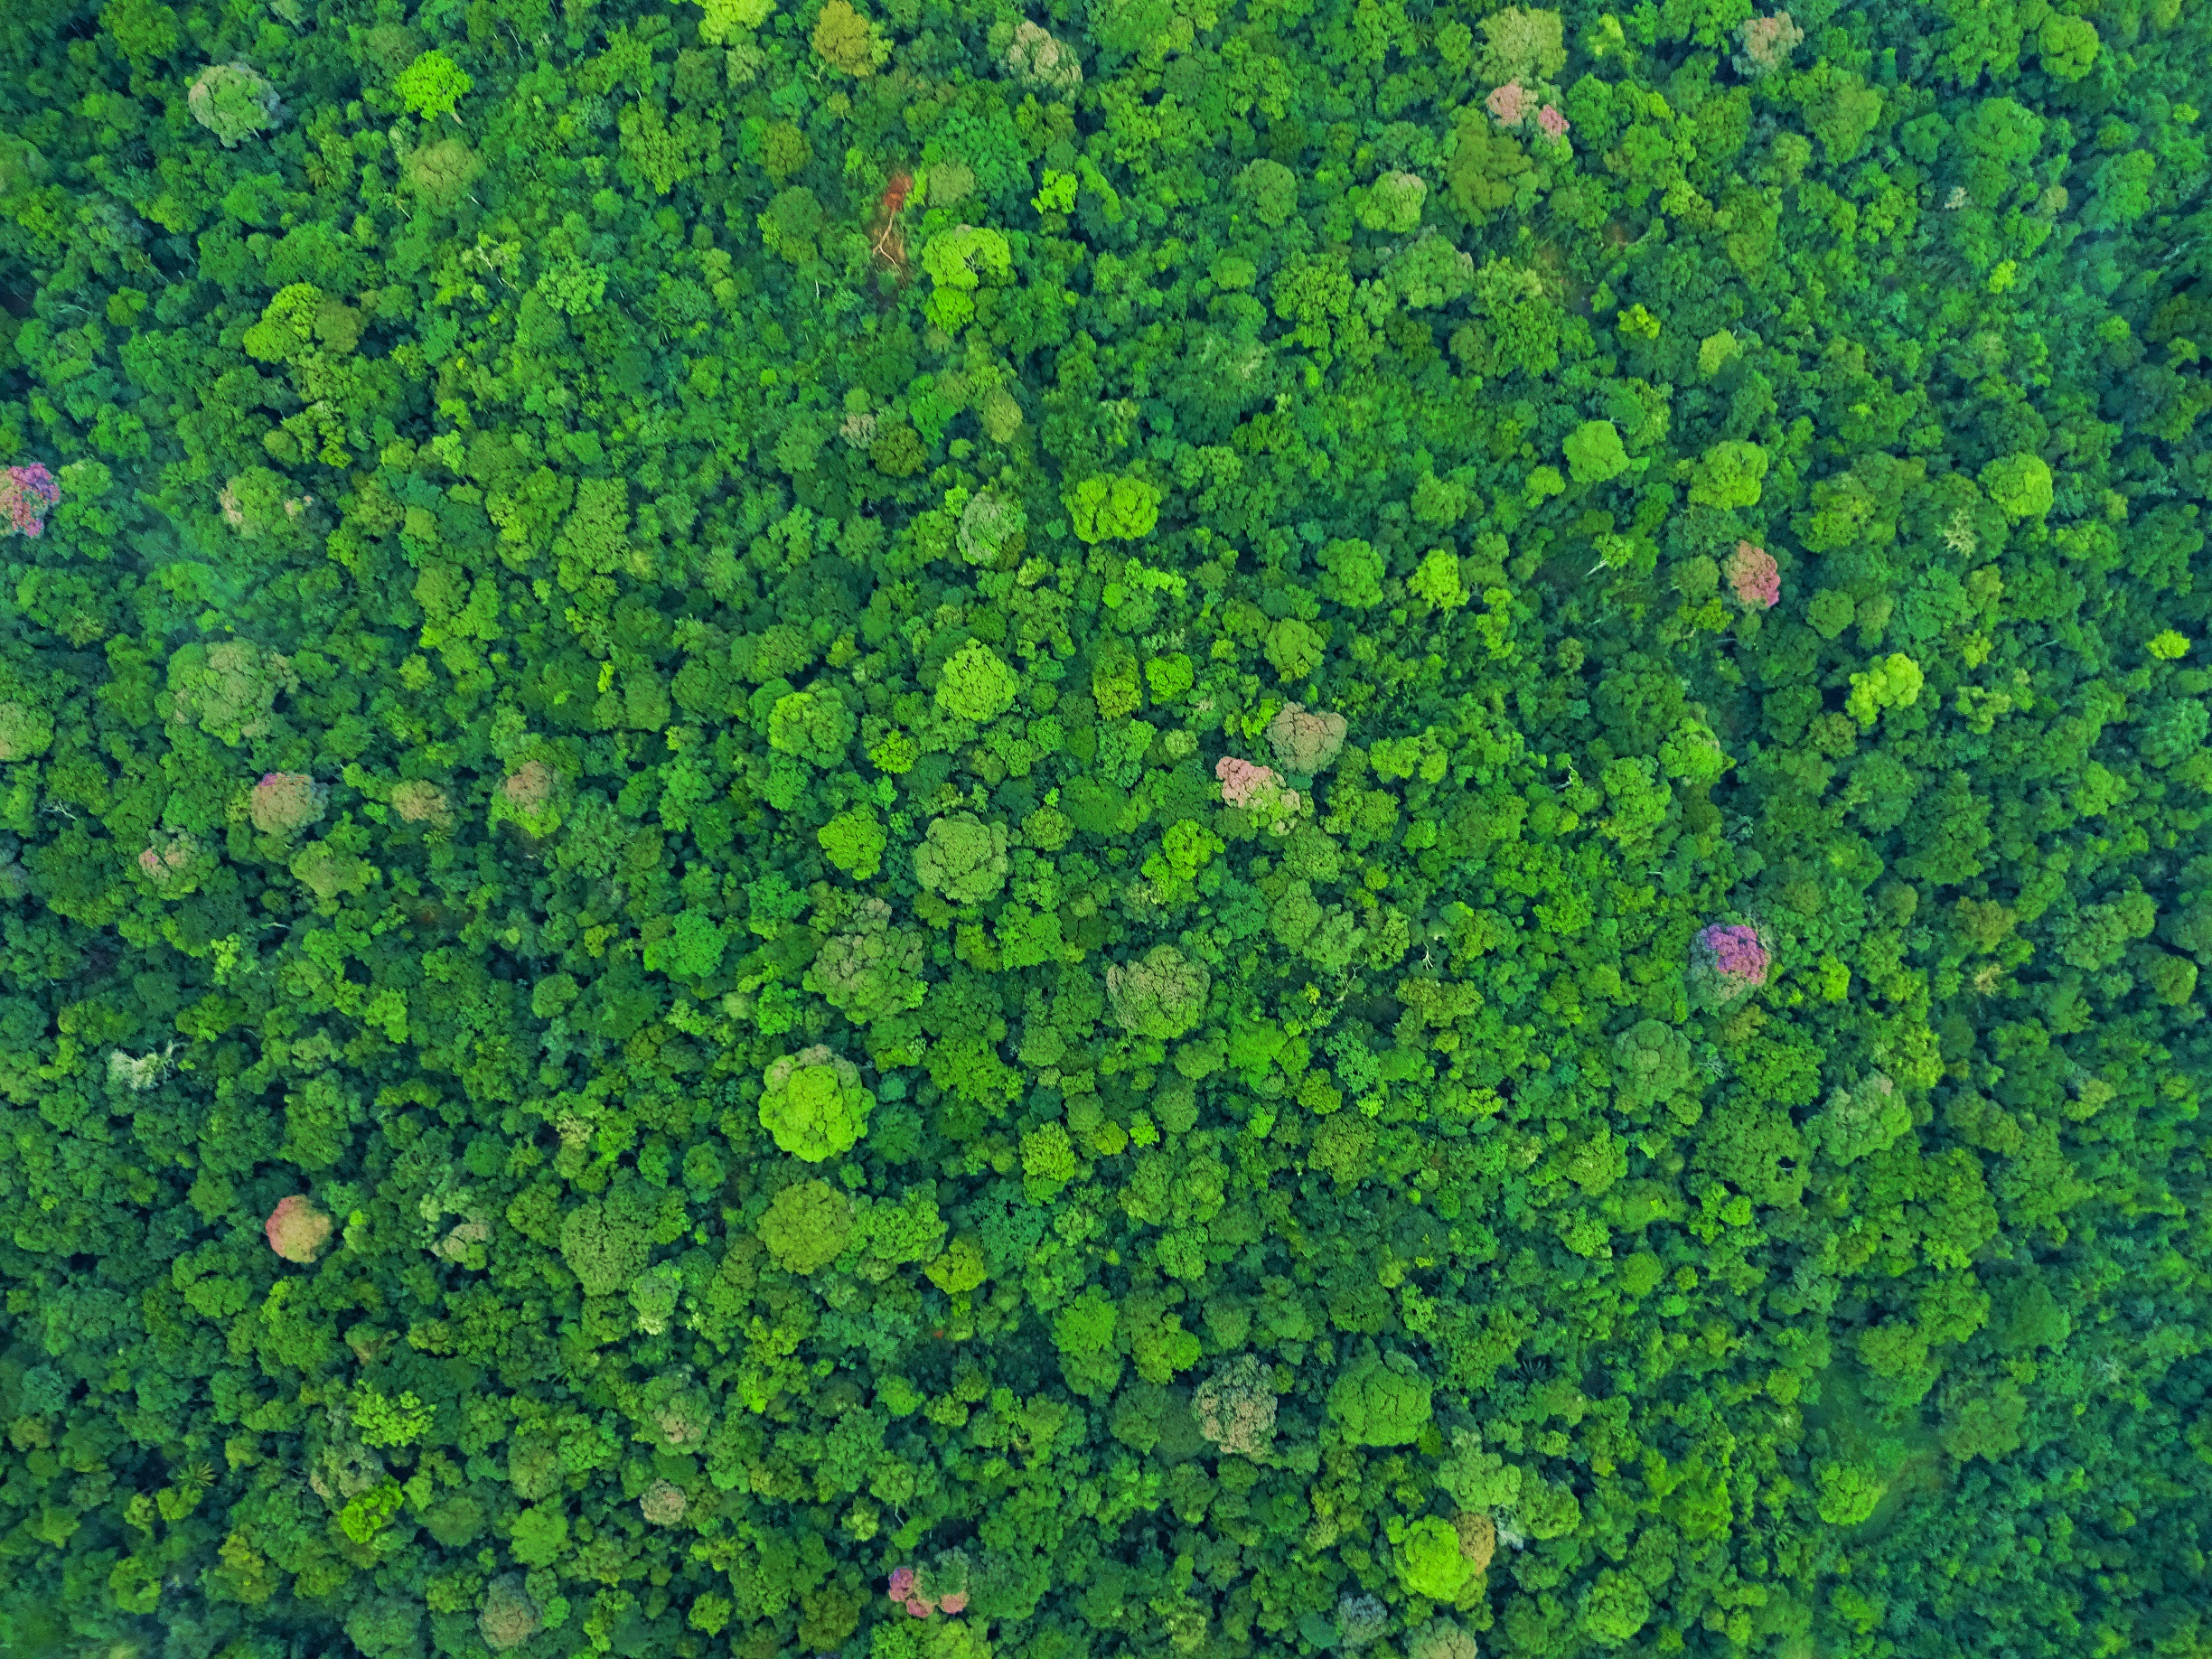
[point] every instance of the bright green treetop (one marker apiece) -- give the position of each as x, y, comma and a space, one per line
1381, 1400
1594, 453
978, 685
2020, 484
432, 85
813, 1104
1429, 1560
963, 858
807, 1226
1110, 508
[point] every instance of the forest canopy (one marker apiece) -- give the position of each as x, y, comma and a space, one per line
899, 829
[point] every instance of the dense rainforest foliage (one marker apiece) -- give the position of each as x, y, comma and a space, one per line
899, 829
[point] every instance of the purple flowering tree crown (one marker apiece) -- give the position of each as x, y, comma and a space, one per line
1736, 956
27, 494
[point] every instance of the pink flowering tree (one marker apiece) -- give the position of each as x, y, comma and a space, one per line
1753, 576
1509, 104
297, 1229
939, 1587
1306, 740
903, 1593
1260, 791
1554, 124
1733, 960
284, 803
528, 798
1767, 42
1256, 789
27, 494
176, 864
420, 802
531, 789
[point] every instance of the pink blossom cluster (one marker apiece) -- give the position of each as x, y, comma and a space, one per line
297, 1230
1770, 41
1511, 105
1241, 780
529, 789
285, 801
26, 494
164, 862
908, 1590
1246, 784
1736, 953
1754, 578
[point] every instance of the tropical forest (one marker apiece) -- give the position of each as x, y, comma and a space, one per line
1105, 829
